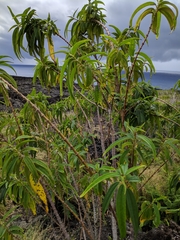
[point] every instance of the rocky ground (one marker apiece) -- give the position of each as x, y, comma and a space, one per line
25, 86
163, 232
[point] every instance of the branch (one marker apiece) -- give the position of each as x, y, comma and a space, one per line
51, 124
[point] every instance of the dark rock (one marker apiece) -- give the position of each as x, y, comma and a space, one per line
25, 86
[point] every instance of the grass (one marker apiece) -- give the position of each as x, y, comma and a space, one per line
37, 232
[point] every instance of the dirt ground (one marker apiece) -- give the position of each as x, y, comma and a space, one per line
163, 232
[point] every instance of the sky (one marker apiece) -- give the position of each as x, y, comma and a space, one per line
165, 52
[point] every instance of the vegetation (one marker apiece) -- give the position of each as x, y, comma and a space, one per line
49, 153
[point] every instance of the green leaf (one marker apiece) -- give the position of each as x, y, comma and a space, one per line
171, 142
128, 41
169, 15
118, 31
2, 231
8, 213
16, 47
75, 47
156, 24
71, 72
89, 76
133, 169
43, 168
156, 220
30, 165
12, 14
115, 143
9, 165
171, 4
5, 63
24, 137
146, 213
133, 209
139, 8
15, 230
108, 196
121, 210
148, 143
67, 25
142, 16
99, 180
148, 59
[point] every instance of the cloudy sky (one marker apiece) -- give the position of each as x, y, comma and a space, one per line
165, 51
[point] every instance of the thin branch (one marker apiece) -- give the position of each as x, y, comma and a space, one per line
13, 111
61, 224
59, 35
51, 124
163, 101
157, 170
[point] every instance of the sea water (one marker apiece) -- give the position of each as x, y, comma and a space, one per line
21, 70
161, 80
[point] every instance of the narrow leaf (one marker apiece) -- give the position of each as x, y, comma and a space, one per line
115, 143
133, 209
14, 17
133, 169
142, 16
121, 210
156, 220
139, 8
148, 143
169, 15
98, 180
108, 196
89, 76
30, 165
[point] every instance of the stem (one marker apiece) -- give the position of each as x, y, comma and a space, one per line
52, 125
61, 224
161, 100
89, 126
80, 202
100, 217
74, 214
94, 215
101, 131
59, 35
14, 113
82, 95
130, 75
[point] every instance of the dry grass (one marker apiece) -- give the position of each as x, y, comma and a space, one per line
170, 96
158, 183
36, 233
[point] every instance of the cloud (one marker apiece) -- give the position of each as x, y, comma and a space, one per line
165, 49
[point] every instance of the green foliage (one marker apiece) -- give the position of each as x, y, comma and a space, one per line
3, 74
7, 229
88, 23
124, 178
34, 29
161, 8
89, 151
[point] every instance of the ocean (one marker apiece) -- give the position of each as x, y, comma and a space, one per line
161, 80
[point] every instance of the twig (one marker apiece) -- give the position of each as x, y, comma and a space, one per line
12, 108
52, 125
61, 224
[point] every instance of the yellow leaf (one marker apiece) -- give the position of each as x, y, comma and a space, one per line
51, 49
32, 206
39, 190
